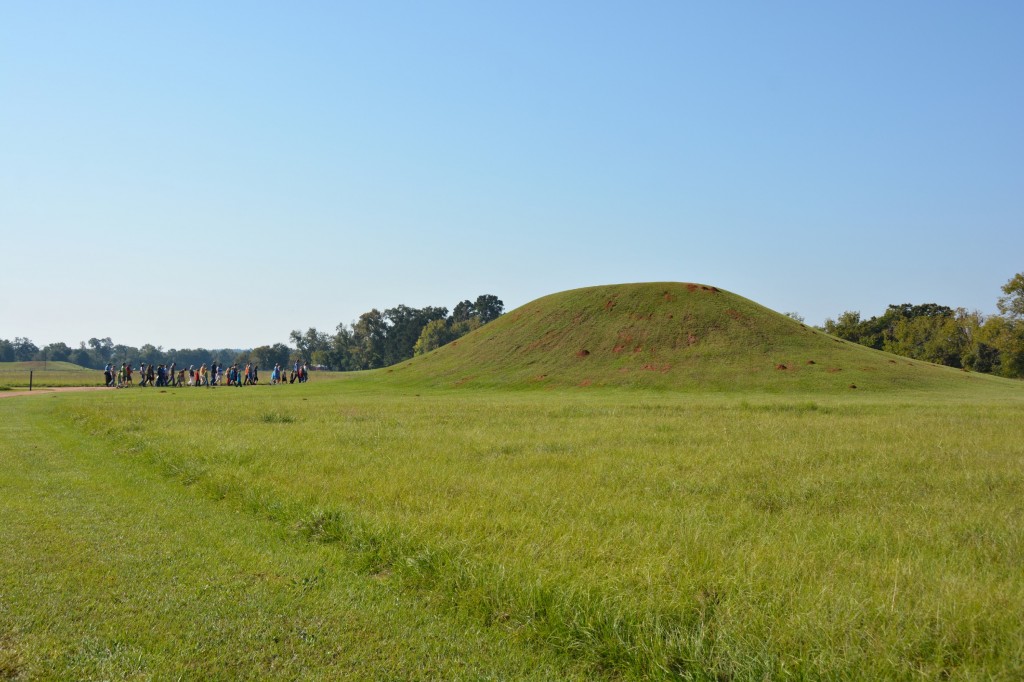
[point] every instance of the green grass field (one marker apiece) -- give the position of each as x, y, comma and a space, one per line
512, 508
355, 529
15, 375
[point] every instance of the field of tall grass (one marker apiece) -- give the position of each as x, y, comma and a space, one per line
17, 375
301, 531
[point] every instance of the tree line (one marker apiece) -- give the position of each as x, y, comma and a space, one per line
954, 337
380, 339
376, 339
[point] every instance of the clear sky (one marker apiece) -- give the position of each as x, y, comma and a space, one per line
218, 173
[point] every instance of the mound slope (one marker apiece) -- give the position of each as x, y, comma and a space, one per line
664, 335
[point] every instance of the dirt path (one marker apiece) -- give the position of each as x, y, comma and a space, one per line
43, 391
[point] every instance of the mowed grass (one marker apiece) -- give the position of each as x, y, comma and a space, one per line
47, 375
607, 533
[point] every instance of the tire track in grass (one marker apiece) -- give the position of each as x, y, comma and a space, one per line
110, 570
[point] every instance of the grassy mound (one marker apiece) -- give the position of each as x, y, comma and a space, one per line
672, 336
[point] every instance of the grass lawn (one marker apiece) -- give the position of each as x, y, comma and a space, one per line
15, 375
359, 528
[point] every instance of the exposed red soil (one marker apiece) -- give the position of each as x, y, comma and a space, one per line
609, 305
692, 287
734, 314
618, 349
668, 296
691, 339
833, 370
638, 349
657, 368
540, 377
780, 366
810, 362
583, 353
585, 383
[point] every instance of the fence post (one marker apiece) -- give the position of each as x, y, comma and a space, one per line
30, 380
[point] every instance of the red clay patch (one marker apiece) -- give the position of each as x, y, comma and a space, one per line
833, 370
609, 305
656, 368
583, 353
734, 314
668, 296
691, 339
584, 383
781, 367
638, 349
618, 349
540, 377
692, 287
810, 362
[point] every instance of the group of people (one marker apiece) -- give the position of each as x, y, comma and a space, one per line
213, 375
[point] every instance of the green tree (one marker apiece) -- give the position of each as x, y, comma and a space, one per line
309, 343
438, 333
24, 349
6, 351
56, 352
369, 340
488, 308
268, 356
1012, 304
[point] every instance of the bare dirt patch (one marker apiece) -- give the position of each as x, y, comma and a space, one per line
668, 296
582, 353
833, 370
692, 287
650, 367
734, 314
585, 383
781, 366
619, 348
811, 362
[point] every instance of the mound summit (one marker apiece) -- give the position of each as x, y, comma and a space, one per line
664, 335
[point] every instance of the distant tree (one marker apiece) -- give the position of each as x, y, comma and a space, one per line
268, 356
309, 343
488, 308
24, 349
1007, 337
6, 351
369, 336
438, 333
932, 338
1012, 304
150, 354
81, 356
404, 326
56, 352
795, 316
463, 311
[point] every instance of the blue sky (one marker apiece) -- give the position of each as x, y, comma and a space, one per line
217, 174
